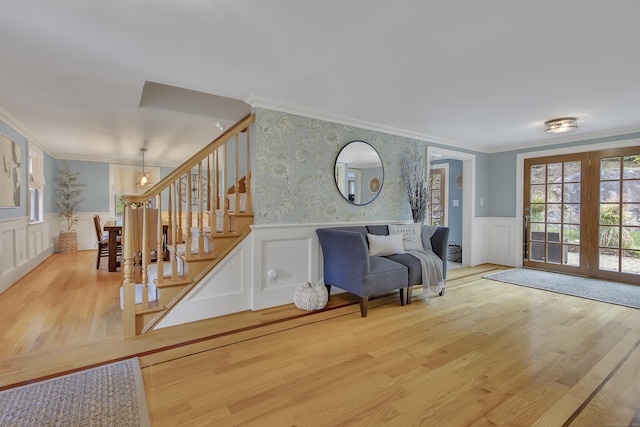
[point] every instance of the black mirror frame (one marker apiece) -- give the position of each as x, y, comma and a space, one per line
368, 184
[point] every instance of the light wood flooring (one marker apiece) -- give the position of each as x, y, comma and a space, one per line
487, 353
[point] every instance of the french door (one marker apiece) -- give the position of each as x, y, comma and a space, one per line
582, 214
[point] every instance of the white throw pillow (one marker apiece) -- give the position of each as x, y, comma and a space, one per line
411, 233
385, 245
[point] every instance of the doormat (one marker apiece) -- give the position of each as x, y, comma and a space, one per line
598, 290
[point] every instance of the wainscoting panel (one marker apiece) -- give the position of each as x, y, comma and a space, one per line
23, 247
495, 241
284, 257
225, 290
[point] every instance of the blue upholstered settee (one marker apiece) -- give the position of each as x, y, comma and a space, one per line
350, 262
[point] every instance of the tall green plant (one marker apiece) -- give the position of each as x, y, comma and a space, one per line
68, 195
614, 235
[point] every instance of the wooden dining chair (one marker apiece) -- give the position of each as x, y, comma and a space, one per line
103, 241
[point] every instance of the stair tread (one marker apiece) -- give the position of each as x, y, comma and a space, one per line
169, 284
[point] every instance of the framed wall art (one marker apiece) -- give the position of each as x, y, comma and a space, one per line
10, 176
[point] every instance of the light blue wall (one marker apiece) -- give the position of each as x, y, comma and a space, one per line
96, 177
502, 174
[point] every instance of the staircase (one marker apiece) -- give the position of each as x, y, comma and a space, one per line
197, 214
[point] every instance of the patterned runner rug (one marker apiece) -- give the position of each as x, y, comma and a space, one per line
599, 290
109, 395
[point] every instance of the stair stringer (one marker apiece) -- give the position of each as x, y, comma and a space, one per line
225, 289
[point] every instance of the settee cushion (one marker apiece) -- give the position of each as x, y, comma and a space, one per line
411, 235
413, 266
383, 276
380, 230
385, 245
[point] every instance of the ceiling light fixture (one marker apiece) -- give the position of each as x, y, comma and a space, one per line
220, 126
144, 178
562, 125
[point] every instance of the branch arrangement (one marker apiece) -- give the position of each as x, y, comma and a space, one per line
413, 175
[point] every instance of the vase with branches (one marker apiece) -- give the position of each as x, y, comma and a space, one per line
68, 196
415, 183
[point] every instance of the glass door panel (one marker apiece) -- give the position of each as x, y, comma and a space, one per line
553, 214
619, 214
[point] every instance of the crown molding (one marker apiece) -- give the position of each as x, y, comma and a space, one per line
261, 102
15, 124
581, 137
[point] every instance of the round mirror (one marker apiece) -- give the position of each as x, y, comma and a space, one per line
359, 173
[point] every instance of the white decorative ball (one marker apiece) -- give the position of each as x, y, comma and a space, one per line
310, 297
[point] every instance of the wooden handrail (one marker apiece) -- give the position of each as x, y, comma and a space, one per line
190, 163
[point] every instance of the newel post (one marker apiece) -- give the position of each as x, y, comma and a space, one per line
129, 303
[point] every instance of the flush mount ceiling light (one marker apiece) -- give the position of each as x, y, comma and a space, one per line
144, 178
562, 125
220, 126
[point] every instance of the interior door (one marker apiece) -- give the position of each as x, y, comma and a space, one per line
582, 214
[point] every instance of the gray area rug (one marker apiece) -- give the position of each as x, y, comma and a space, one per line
599, 290
109, 395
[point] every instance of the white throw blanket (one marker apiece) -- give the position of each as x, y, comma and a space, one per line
432, 278
431, 270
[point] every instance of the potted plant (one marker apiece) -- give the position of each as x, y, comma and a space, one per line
68, 196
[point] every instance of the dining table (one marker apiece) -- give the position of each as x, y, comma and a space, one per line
114, 228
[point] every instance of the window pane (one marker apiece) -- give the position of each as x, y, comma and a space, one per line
610, 191
609, 214
631, 165
554, 173
609, 237
553, 234
610, 168
631, 214
571, 234
608, 260
631, 262
554, 193
573, 255
537, 251
572, 171
571, 214
554, 213
631, 191
538, 174
119, 205
537, 213
630, 238
538, 193
571, 193
554, 253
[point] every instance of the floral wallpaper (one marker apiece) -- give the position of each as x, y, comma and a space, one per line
294, 167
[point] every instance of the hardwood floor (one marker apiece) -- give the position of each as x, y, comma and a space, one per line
487, 353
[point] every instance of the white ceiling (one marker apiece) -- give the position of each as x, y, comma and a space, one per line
482, 75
